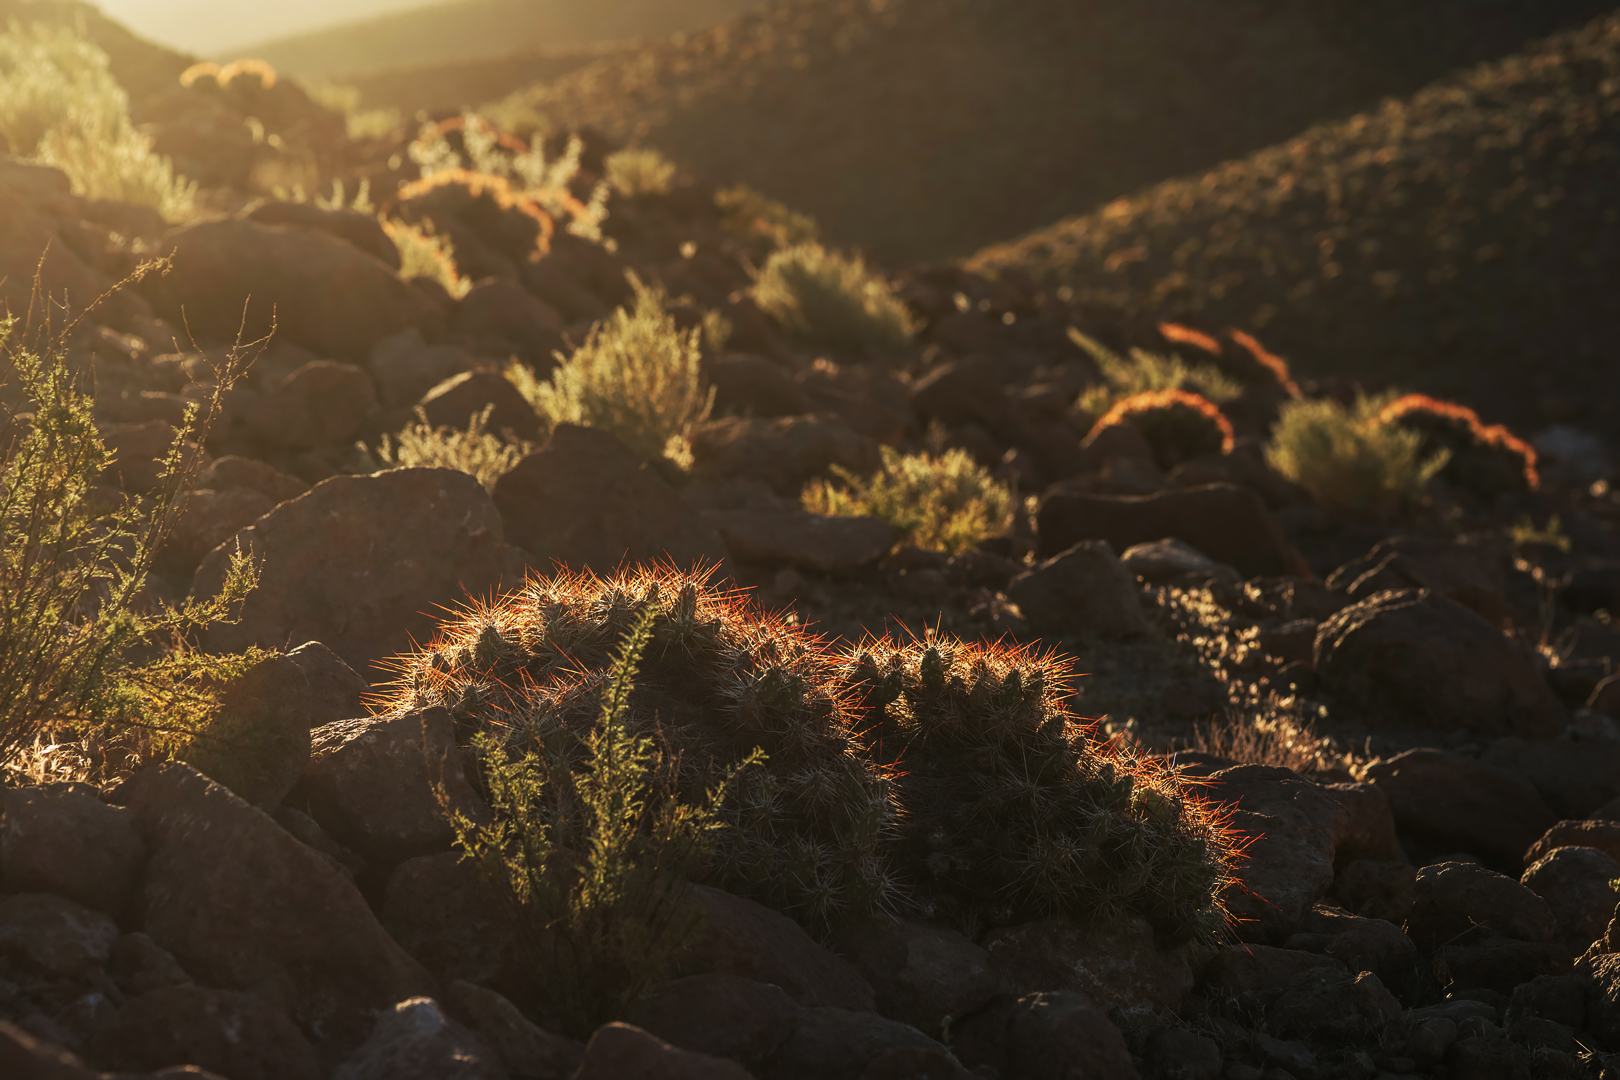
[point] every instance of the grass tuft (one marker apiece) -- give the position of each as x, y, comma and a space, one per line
476, 451
640, 171
833, 300
947, 502
424, 253
1142, 372
1352, 462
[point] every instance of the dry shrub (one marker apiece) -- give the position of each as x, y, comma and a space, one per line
1353, 464
476, 451
746, 212
1277, 741
1141, 372
640, 171
947, 502
833, 300
423, 253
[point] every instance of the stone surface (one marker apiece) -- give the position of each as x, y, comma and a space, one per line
1413, 657
1471, 574
335, 688
1174, 1053
1456, 901
1227, 523
54, 936
1164, 560
65, 842
322, 403
1496, 965
1371, 833
1448, 803
1603, 998
922, 974
445, 914
499, 316
404, 367
1114, 962
208, 519
259, 744
1375, 889
1050, 1036
585, 501
1082, 590
1238, 969
1573, 776
621, 1051
361, 230
415, 1040
754, 386
232, 472
1375, 945
1329, 1005
225, 1031
1574, 881
359, 563
836, 1044
455, 401
828, 544
526, 1049
783, 453
245, 906
724, 1016
1602, 835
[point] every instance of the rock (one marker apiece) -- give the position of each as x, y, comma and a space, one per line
1114, 962
208, 519
456, 400
55, 936
754, 386
915, 1063
1164, 560
585, 501
739, 937
232, 472
1482, 1058
1227, 523
1332, 1006
29, 244
783, 453
416, 1041
1602, 835
359, 563
309, 832
829, 544
502, 317
139, 451
1575, 883
922, 974
1432, 1039
1238, 969
404, 367
1175, 1053
1371, 834
458, 925
1603, 999
1050, 1036
24, 1056
1470, 574
1417, 658
620, 1051
1573, 777
334, 687
721, 1015
1287, 1058
1448, 803
1375, 889
244, 906
836, 1044
1561, 999
319, 291
371, 784
259, 744
526, 1049
1495, 965
361, 230
140, 964
1453, 901
1374, 945
1294, 828
970, 392
224, 1031
1082, 590
66, 842
323, 403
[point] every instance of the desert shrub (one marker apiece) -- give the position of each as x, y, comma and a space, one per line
424, 253
476, 451
59, 103
746, 212
1142, 372
1178, 425
1352, 463
638, 375
599, 887
945, 502
833, 300
640, 171
1484, 459
1278, 740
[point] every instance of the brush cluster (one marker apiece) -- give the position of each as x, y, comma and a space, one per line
1486, 459
1178, 424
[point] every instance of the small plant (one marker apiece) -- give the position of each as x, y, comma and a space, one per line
833, 300
1352, 463
1268, 360
638, 375
59, 103
423, 253
1142, 372
945, 502
1178, 425
594, 855
1279, 740
640, 171
1484, 459
746, 212
524, 229
476, 451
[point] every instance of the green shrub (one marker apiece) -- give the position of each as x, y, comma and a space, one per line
1142, 372
833, 300
424, 253
60, 104
746, 212
476, 451
1353, 463
640, 171
638, 375
947, 502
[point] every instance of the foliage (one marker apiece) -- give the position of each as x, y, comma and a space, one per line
424, 253
1142, 372
638, 375
1352, 463
59, 103
595, 854
640, 171
1484, 459
833, 300
945, 502
476, 451
1278, 740
746, 212
1177, 424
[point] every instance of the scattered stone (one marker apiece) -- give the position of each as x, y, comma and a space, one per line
323, 403
721, 1015
1376, 889
206, 520
501, 317
1471, 574
335, 688
1048, 1036
1332, 1006
526, 1049
1455, 900
1448, 803
225, 1031
53, 935
1374, 945
140, 964
1575, 883
1574, 777
361, 230
1165, 560
783, 453
232, 472
456, 400
1239, 969
836, 1044
922, 974
416, 1041
1082, 590
1371, 834
1174, 1053
829, 544
754, 386
1114, 962
619, 1051
1495, 965
404, 367
446, 915
260, 743
66, 842
139, 451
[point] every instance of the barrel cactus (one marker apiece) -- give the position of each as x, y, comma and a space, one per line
1178, 424
1486, 459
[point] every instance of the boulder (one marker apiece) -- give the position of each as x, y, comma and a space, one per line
1447, 803
1164, 560
335, 689
455, 401
364, 231
721, 1015
318, 291
526, 1049
1573, 776
404, 367
783, 453
620, 1051
1603, 998
1413, 657
139, 451
829, 544
322, 403
415, 1040
503, 317
1602, 835
231, 472
1463, 901
1375, 945
359, 562
1083, 590
921, 974
206, 520
1115, 962
1332, 1006
585, 501
1238, 969
66, 842
1575, 883
754, 386
24, 1056
457, 924
259, 743
139, 964
54, 936
1229, 524
1371, 834
836, 1044
1375, 889
1048, 1036
244, 906
225, 1031
1176, 1053
1471, 574
29, 244
1495, 965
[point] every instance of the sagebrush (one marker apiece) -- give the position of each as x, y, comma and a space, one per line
1353, 463
1142, 372
833, 300
477, 451
941, 502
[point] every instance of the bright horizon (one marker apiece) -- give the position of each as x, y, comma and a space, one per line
205, 27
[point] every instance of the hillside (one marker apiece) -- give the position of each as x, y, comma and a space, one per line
459, 30
1465, 239
452, 84
926, 130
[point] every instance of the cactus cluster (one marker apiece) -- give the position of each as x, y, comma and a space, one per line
1179, 425
933, 776
496, 229
1486, 459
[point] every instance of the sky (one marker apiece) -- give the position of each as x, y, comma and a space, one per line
206, 27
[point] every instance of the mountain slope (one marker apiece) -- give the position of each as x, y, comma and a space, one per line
1466, 240
926, 128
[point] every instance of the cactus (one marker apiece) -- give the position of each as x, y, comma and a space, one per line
1014, 810
1178, 424
1484, 459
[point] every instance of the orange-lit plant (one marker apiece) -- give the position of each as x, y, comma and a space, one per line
1178, 424
1485, 458
1268, 360
506, 219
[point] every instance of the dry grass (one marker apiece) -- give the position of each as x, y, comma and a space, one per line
947, 502
833, 300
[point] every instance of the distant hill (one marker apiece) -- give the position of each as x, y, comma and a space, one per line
461, 30
928, 128
452, 84
1466, 240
